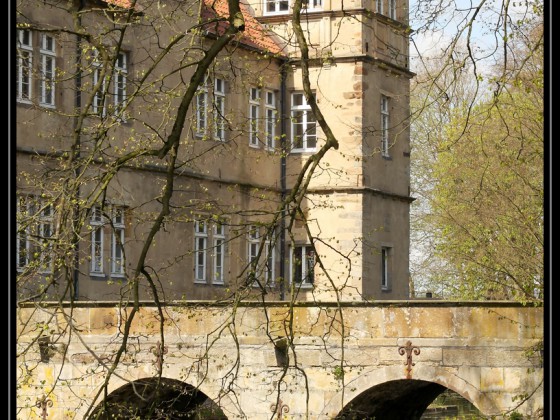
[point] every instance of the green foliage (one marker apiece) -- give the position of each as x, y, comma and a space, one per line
488, 203
338, 373
480, 175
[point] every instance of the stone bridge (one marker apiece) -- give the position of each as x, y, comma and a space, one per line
384, 360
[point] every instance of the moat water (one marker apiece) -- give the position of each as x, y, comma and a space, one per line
450, 405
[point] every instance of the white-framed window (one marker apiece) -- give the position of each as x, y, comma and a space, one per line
45, 233
211, 94
253, 250
201, 109
269, 271
24, 65
272, 7
200, 251
219, 238
117, 242
384, 126
385, 268
219, 109
256, 99
98, 105
302, 265
108, 221
304, 125
97, 241
119, 82
23, 244
270, 119
47, 55
261, 262
393, 9
209, 252
35, 230
254, 107
43, 47
312, 4
379, 6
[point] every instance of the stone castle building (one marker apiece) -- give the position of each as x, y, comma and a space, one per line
100, 87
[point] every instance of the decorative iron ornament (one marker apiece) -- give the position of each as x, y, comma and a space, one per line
43, 403
158, 350
409, 349
279, 409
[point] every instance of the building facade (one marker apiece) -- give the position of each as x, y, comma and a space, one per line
139, 177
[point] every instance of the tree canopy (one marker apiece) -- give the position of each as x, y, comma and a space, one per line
479, 139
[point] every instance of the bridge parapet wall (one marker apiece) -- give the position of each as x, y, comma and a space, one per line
322, 355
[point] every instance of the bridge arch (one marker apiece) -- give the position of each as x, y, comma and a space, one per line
148, 398
386, 393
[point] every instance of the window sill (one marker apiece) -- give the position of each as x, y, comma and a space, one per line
302, 151
284, 12
97, 275
40, 272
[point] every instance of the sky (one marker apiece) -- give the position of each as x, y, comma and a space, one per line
485, 40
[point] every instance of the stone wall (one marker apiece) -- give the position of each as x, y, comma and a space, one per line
478, 350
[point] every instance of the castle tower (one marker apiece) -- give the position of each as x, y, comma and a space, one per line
359, 197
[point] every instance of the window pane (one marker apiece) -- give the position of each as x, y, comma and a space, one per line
201, 111
384, 267
25, 37
298, 129
219, 243
121, 61
201, 259
311, 139
270, 128
97, 250
253, 252
254, 113
255, 94
24, 75
22, 250
270, 263
270, 98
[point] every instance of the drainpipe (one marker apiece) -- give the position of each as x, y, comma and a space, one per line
283, 74
78, 105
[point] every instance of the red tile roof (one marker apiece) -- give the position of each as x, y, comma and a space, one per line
255, 35
125, 4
